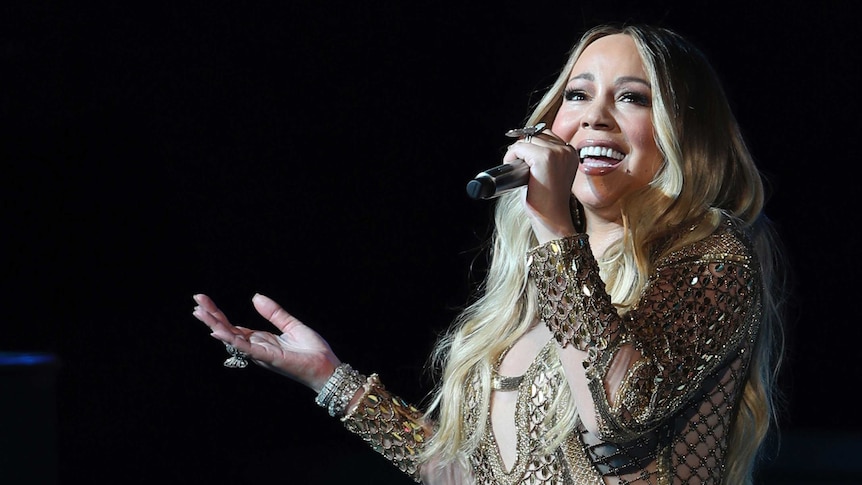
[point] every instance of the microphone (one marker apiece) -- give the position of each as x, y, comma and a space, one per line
496, 181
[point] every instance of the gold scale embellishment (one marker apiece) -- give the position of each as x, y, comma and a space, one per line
532, 466
572, 295
715, 279
389, 425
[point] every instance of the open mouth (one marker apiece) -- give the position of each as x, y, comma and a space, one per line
601, 154
599, 160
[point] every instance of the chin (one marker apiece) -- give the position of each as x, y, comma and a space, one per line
596, 193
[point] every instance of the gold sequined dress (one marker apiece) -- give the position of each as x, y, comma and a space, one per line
694, 329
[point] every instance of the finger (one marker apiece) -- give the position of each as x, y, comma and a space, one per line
240, 342
215, 319
546, 138
209, 305
204, 300
520, 150
210, 320
273, 312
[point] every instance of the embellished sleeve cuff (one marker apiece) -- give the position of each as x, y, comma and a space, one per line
572, 297
389, 425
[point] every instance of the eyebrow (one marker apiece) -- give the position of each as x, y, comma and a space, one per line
620, 80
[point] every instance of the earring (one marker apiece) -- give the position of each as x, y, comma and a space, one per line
577, 215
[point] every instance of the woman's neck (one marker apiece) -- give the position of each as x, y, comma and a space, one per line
603, 232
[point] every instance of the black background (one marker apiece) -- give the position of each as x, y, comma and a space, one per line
317, 153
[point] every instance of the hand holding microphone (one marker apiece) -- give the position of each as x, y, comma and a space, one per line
508, 176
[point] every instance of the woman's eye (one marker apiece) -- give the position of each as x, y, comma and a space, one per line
574, 95
636, 98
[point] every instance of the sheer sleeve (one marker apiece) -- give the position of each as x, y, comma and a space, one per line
390, 426
699, 307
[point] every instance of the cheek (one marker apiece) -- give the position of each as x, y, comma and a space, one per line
644, 137
646, 145
649, 157
646, 169
565, 124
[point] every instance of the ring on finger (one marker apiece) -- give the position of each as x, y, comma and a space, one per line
528, 132
237, 359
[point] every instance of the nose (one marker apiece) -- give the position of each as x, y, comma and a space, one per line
597, 116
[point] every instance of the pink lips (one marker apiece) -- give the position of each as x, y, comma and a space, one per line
598, 165
601, 156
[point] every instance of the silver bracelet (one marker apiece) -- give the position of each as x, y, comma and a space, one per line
339, 389
325, 394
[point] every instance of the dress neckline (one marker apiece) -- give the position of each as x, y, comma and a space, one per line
521, 435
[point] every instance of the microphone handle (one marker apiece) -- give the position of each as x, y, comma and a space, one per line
496, 181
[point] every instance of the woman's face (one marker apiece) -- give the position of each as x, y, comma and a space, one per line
606, 115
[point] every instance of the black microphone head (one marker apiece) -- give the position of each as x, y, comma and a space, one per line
481, 188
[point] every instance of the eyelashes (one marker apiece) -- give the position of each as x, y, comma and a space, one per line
637, 98
572, 94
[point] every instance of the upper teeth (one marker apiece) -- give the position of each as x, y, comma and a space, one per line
601, 152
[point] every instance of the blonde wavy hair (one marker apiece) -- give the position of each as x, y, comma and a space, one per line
707, 174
